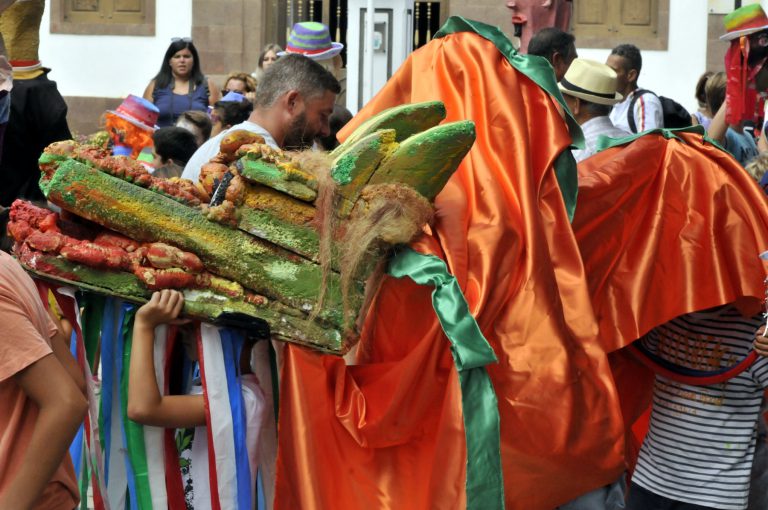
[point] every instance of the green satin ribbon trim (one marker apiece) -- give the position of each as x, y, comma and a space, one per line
605, 142
85, 476
471, 352
134, 432
539, 70
93, 310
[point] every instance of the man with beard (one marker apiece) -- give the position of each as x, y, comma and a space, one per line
294, 101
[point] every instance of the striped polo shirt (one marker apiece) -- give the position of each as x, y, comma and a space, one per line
701, 439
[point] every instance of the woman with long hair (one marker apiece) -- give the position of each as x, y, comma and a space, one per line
267, 57
180, 85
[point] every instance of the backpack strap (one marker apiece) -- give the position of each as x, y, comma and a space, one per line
631, 111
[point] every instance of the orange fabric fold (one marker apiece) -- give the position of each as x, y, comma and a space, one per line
665, 227
387, 433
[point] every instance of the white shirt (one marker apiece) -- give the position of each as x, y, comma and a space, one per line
209, 149
648, 113
593, 129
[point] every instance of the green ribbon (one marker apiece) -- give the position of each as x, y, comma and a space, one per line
606, 142
134, 432
539, 70
471, 353
93, 310
85, 476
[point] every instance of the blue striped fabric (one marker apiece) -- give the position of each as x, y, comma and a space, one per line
108, 341
232, 344
78, 443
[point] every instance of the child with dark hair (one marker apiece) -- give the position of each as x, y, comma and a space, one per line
149, 406
737, 140
198, 123
640, 110
173, 148
226, 114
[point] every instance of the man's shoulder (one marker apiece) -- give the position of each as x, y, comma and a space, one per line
246, 125
647, 96
253, 127
603, 125
10, 269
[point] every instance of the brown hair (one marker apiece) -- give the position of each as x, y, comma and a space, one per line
758, 166
269, 47
701, 96
715, 91
200, 120
250, 83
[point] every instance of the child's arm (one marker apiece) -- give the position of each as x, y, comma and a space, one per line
145, 403
62, 407
718, 126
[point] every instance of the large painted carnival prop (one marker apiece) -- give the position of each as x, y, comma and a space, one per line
287, 244
287, 239
491, 370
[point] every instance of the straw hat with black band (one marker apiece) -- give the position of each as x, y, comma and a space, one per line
591, 81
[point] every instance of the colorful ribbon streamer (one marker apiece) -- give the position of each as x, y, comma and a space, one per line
229, 471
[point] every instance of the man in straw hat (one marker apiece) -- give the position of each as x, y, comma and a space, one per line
589, 90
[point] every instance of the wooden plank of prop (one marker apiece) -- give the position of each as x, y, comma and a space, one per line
148, 216
285, 324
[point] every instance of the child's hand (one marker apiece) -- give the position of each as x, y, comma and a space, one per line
761, 342
162, 308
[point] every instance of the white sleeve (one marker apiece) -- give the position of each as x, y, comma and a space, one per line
202, 155
648, 112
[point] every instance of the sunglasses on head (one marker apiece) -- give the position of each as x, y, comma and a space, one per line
181, 39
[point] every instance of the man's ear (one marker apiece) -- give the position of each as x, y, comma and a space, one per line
291, 100
576, 106
557, 60
632, 76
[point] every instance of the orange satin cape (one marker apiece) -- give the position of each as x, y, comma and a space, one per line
667, 224
387, 433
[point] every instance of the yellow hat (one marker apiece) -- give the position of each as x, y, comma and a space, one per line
20, 28
591, 81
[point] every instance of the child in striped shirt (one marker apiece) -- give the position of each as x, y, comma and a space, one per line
701, 441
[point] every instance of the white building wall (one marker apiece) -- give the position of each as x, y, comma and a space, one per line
112, 66
115, 66
673, 73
